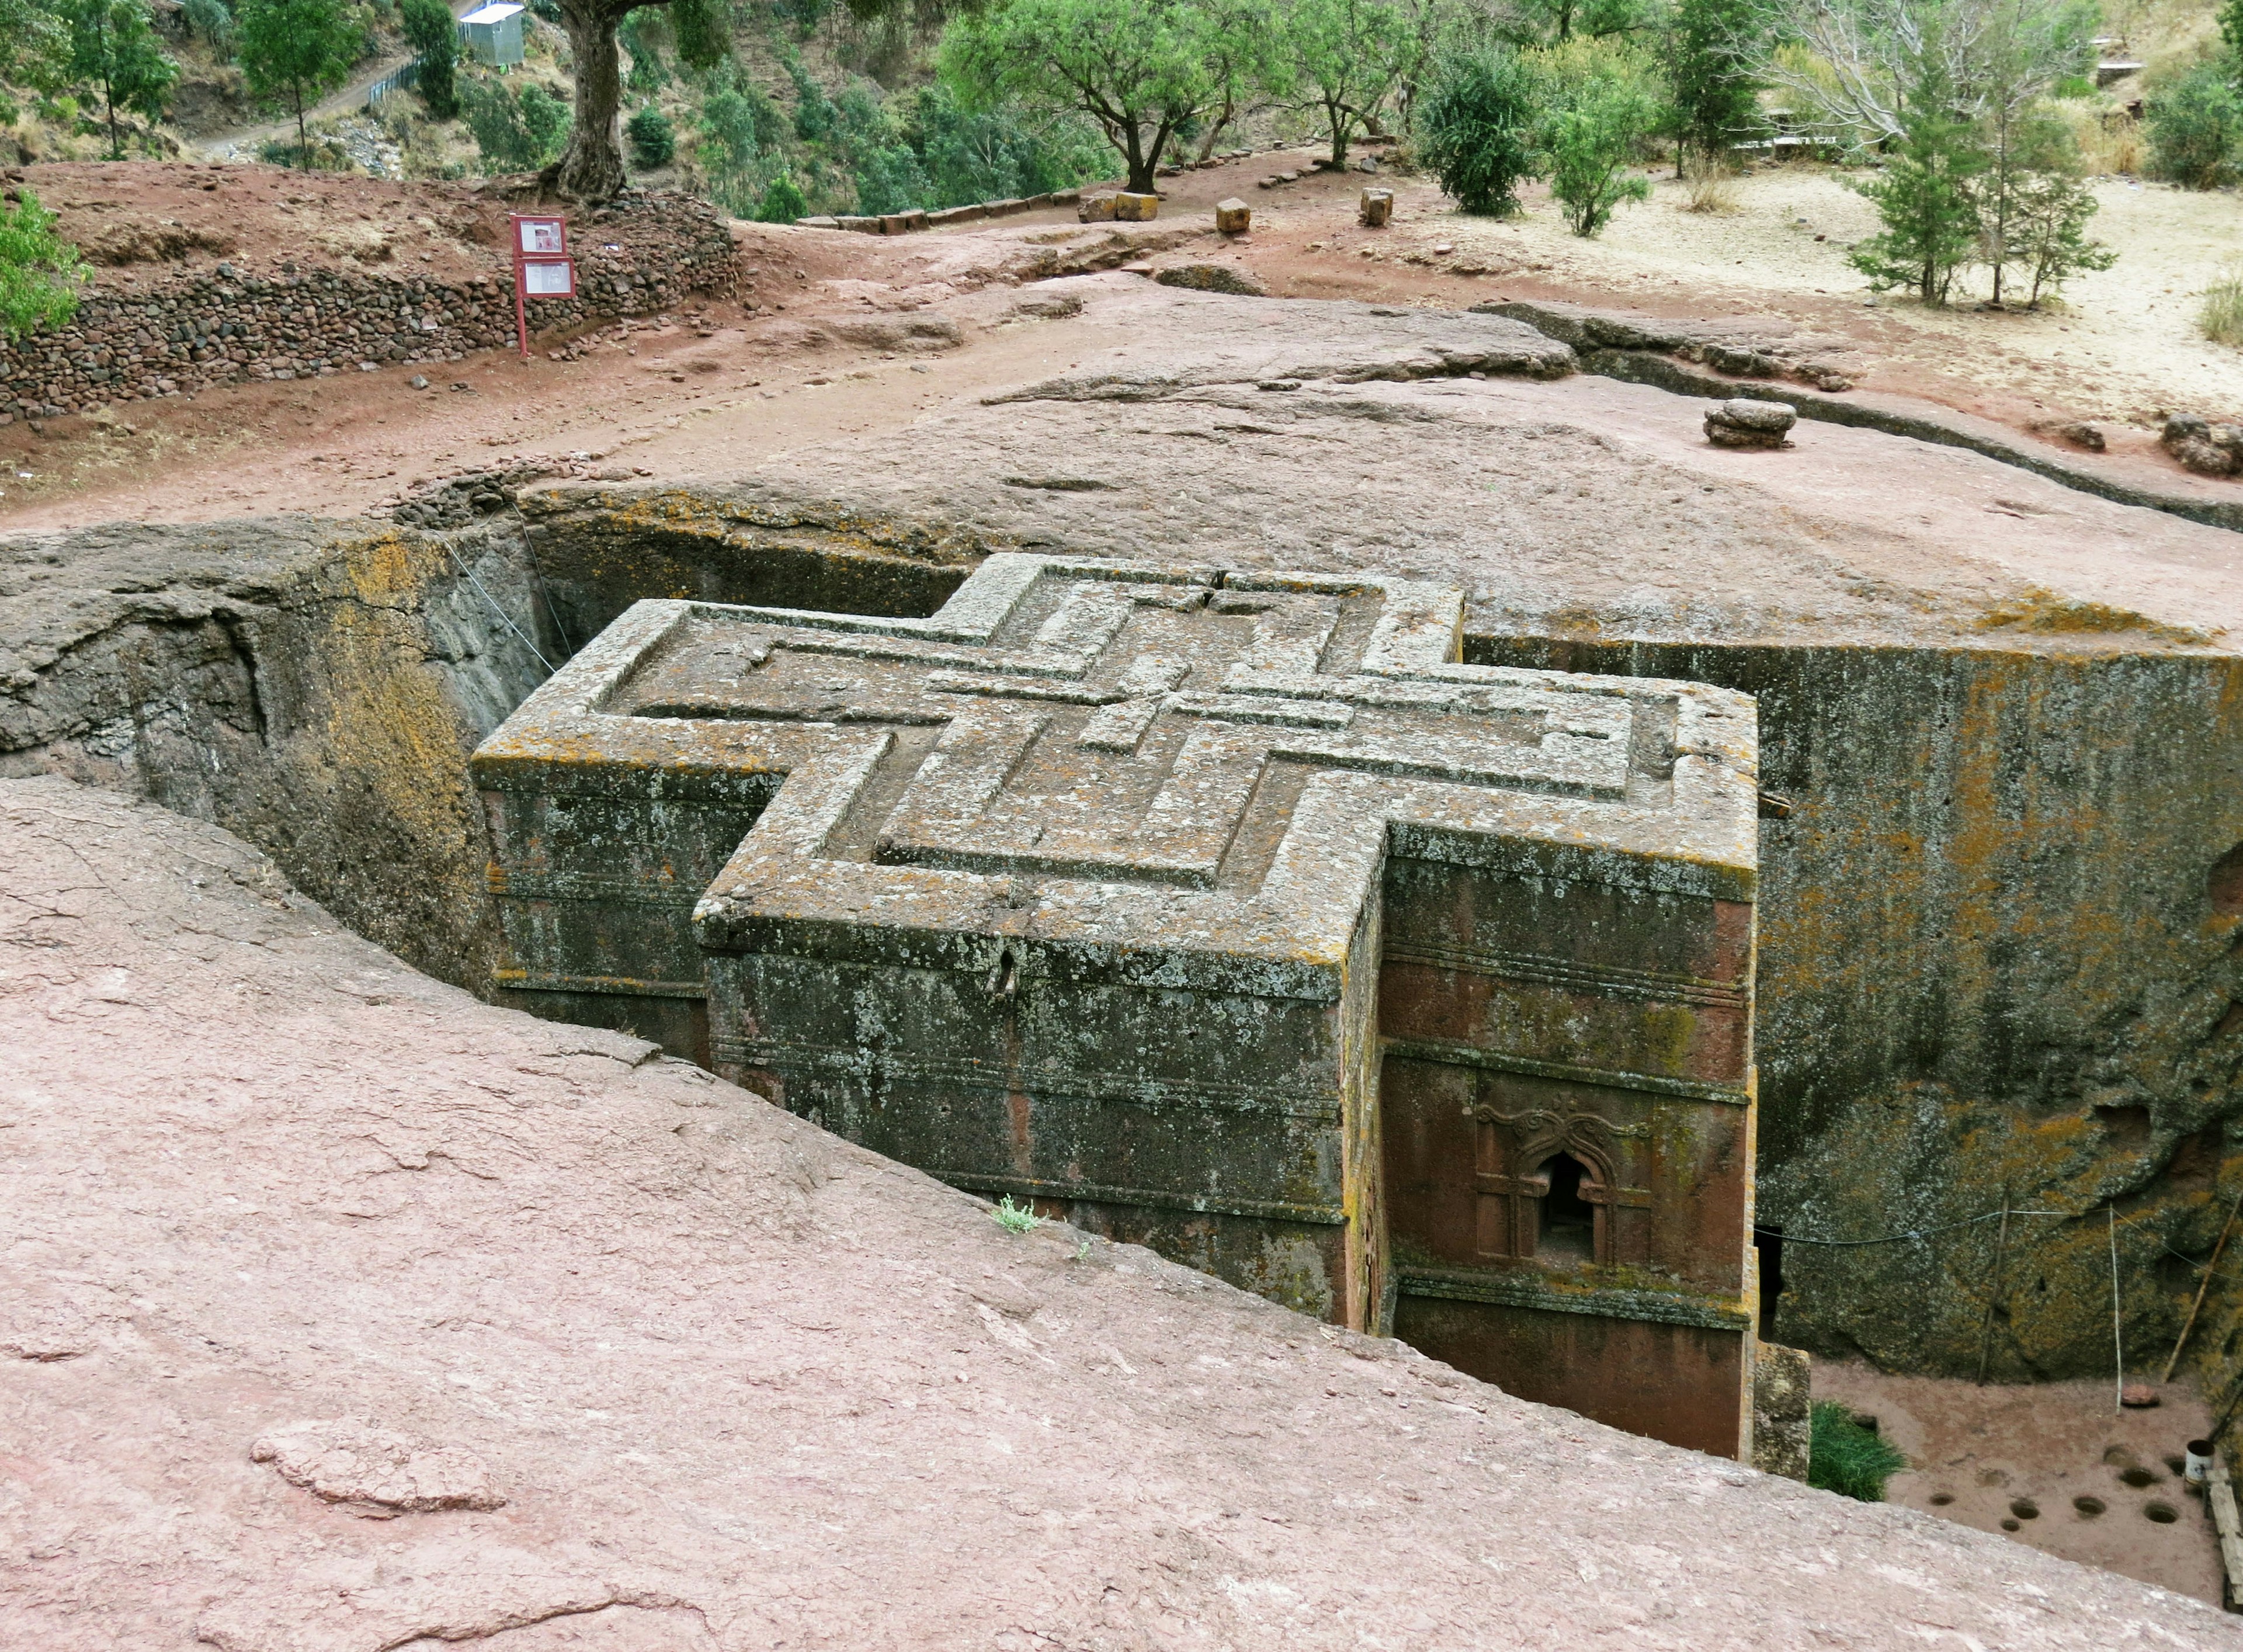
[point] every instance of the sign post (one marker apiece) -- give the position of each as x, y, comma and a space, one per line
543, 268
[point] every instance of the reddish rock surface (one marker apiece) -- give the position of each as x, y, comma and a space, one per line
265, 1194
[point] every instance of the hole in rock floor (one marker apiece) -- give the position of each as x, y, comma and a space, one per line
2103, 1486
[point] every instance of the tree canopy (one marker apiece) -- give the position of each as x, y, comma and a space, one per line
1143, 71
298, 50
113, 50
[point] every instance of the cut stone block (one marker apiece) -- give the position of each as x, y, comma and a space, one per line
1136, 209
1094, 209
1377, 209
1744, 422
1233, 216
1217, 910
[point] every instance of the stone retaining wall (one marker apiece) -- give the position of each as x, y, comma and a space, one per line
195, 329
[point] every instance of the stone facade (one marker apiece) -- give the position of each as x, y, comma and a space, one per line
188, 331
1217, 911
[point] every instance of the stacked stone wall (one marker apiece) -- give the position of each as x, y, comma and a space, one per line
197, 329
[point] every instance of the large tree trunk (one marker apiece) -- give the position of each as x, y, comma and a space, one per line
591, 168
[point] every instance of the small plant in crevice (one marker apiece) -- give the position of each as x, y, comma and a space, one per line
1846, 1457
1014, 1218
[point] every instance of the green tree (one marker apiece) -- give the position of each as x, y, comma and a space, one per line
114, 51
40, 273
213, 20
1926, 196
782, 203
997, 154
2048, 232
1477, 130
653, 139
1142, 71
2231, 30
1711, 46
516, 132
1591, 142
641, 35
435, 37
591, 164
34, 47
2196, 129
298, 50
1348, 56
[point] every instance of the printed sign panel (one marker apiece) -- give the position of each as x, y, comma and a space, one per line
540, 235
549, 278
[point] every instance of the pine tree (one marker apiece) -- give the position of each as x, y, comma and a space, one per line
2049, 236
1926, 196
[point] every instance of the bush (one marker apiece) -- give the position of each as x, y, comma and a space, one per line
782, 203
1845, 1458
1591, 143
1477, 132
653, 139
40, 273
2196, 129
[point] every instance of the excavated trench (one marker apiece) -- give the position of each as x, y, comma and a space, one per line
1994, 966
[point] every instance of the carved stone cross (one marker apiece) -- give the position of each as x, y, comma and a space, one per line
1156, 893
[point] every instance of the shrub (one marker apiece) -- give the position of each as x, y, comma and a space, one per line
1590, 144
2196, 129
1477, 132
782, 203
653, 139
1712, 189
1846, 1457
2221, 318
40, 273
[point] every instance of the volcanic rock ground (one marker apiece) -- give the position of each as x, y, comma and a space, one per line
344, 1312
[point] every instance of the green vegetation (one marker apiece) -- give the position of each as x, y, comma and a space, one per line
1145, 72
113, 50
518, 131
1846, 1457
1348, 57
1591, 138
40, 274
1015, 1218
435, 38
298, 50
2196, 127
212, 22
1926, 196
1715, 91
1477, 130
653, 139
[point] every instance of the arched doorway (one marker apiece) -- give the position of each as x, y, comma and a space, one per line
1566, 1233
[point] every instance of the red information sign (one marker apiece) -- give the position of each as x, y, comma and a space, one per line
543, 268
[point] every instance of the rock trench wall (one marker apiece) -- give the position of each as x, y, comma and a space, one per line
2002, 947
184, 333
1996, 965
316, 687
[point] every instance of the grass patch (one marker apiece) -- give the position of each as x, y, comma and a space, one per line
1015, 1218
2221, 318
1845, 1458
